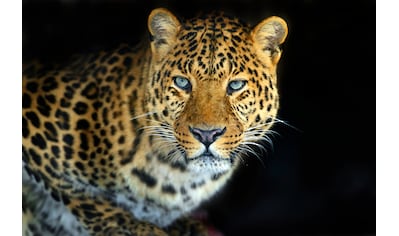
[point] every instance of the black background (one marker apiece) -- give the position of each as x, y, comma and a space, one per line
320, 177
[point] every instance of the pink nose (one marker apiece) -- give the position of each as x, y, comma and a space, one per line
207, 137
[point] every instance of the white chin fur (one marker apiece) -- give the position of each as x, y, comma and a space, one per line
209, 165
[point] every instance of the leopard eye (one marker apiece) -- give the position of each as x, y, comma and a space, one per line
182, 83
235, 86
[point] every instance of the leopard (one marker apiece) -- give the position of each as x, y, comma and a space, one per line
132, 140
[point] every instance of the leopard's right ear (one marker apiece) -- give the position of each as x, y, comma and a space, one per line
163, 27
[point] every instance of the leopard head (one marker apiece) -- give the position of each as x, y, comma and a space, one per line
213, 87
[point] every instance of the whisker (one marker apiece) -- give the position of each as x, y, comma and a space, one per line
247, 148
287, 124
158, 131
155, 121
238, 153
143, 115
253, 140
253, 143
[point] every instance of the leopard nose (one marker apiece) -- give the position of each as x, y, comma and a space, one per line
207, 137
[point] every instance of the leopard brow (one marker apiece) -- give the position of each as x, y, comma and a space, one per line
230, 63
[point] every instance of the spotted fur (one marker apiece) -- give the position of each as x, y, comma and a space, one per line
130, 141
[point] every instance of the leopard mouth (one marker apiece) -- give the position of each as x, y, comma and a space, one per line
205, 155
209, 163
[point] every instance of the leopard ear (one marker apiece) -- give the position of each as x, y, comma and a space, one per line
163, 27
268, 35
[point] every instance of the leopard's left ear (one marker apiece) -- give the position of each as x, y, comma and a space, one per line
163, 27
268, 35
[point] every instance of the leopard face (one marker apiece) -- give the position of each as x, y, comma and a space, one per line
213, 85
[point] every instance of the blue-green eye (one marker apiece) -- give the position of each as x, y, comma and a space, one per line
182, 83
235, 86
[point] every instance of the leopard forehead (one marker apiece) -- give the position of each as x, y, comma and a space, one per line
211, 47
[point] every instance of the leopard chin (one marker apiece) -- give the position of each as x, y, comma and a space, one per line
210, 164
